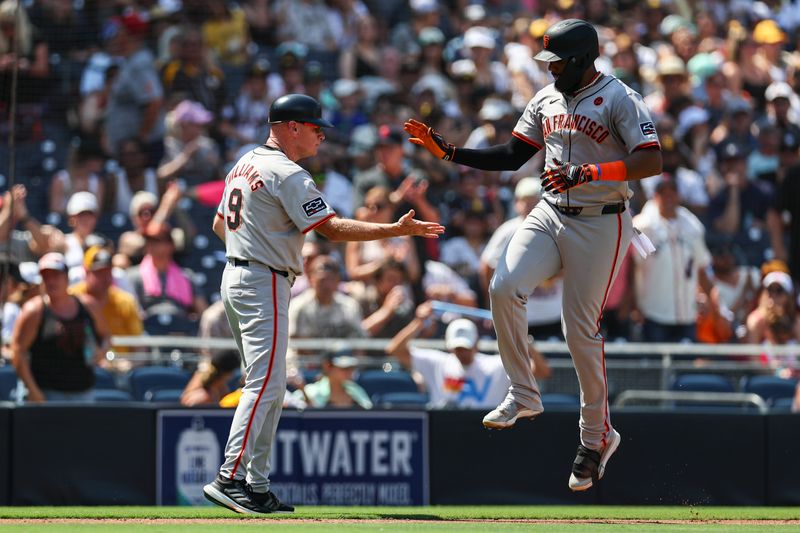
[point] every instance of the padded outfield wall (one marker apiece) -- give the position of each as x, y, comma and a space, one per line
143, 455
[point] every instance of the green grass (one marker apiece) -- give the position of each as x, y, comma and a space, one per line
251, 526
478, 512
433, 519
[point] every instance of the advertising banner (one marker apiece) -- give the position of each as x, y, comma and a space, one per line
318, 458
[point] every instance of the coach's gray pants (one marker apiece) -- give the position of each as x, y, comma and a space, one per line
590, 250
256, 304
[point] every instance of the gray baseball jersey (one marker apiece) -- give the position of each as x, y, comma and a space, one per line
269, 204
605, 121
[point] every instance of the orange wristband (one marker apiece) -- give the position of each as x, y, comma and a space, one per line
613, 171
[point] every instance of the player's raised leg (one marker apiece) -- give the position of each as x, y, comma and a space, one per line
608, 236
530, 258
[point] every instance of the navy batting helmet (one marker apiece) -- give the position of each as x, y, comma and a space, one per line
576, 41
297, 107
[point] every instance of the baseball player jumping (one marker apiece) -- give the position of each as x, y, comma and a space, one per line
270, 203
597, 134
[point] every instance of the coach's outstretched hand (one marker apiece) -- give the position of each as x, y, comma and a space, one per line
423, 135
410, 226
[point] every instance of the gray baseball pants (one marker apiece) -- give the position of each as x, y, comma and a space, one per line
590, 250
256, 303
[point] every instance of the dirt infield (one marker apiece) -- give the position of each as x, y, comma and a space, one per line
394, 521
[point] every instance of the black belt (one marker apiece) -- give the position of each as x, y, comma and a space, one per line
608, 209
245, 263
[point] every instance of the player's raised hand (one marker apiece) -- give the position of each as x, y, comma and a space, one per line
564, 176
423, 135
410, 226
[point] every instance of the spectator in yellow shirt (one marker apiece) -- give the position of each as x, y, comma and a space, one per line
118, 308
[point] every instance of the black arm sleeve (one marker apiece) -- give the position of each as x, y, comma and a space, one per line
508, 156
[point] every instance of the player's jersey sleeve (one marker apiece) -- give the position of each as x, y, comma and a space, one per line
633, 123
303, 202
529, 126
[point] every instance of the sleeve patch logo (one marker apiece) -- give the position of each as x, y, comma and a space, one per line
314, 206
647, 128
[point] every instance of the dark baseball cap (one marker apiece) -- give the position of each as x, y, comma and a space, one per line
312, 72
389, 135
259, 68
226, 361
291, 54
96, 258
730, 149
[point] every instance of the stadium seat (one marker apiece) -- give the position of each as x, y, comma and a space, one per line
151, 378
782, 405
112, 395
401, 400
166, 324
163, 395
380, 382
103, 379
702, 383
8, 382
771, 388
112, 225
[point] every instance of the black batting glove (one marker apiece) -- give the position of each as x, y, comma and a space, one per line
565, 176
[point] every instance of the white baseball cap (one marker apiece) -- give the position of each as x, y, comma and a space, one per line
343, 361
80, 202
781, 278
527, 187
689, 118
778, 89
342, 88
52, 261
424, 6
479, 37
141, 199
461, 333
494, 109
464, 68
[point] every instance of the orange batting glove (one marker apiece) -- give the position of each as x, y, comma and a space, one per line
423, 135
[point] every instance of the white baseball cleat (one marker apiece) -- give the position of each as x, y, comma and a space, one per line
590, 465
507, 413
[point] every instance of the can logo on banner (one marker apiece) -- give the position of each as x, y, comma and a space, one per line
196, 458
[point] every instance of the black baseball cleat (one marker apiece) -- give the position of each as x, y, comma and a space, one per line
269, 502
590, 465
234, 495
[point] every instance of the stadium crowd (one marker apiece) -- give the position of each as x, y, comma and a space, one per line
130, 113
